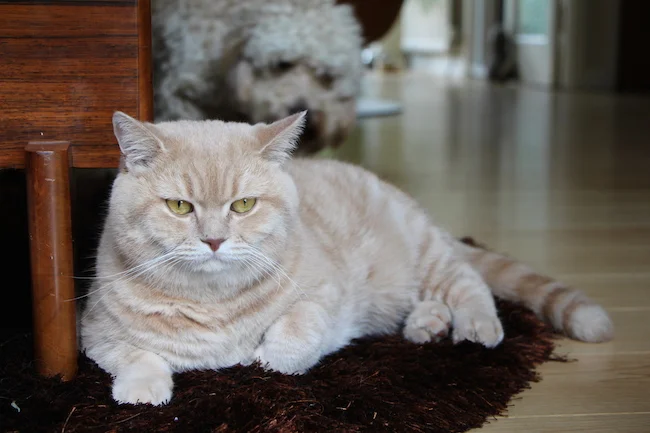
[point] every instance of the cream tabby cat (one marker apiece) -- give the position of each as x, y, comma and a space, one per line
218, 249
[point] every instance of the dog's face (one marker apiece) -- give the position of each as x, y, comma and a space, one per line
296, 62
274, 91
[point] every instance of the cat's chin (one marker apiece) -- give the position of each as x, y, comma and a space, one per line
211, 264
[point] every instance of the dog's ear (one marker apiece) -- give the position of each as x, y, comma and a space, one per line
280, 138
138, 143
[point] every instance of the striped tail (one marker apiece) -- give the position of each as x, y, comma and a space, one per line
569, 311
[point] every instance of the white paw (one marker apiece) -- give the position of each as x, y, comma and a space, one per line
143, 383
478, 327
152, 388
429, 321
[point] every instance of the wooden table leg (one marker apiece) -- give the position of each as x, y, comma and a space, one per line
50, 236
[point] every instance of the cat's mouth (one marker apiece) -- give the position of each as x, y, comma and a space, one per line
209, 262
216, 257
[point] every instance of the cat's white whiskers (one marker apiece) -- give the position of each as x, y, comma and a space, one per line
251, 269
275, 264
275, 270
128, 279
266, 269
254, 267
256, 272
121, 275
123, 280
105, 277
279, 268
159, 279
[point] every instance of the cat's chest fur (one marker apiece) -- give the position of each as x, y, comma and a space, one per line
193, 334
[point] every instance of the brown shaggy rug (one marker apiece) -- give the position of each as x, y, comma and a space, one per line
380, 384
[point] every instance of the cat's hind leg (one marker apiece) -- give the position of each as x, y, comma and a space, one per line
450, 280
429, 321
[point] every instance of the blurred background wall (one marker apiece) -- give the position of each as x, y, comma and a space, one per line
570, 45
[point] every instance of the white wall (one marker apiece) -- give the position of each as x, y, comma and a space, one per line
426, 26
536, 52
588, 44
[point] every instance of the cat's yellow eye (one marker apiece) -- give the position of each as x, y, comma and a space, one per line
243, 205
180, 207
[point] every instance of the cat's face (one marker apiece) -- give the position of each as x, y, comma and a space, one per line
207, 197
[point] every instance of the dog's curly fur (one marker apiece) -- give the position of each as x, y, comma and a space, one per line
258, 61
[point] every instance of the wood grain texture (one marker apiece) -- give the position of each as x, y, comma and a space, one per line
50, 234
95, 156
71, 2
66, 67
145, 67
598, 423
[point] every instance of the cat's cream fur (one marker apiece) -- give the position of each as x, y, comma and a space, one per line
327, 254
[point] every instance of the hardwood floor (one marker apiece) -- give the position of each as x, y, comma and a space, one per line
561, 181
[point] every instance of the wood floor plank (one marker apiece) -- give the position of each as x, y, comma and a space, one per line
600, 423
619, 291
593, 384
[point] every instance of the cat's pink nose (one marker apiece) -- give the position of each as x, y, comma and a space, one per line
213, 243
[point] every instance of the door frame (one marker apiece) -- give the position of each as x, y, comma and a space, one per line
538, 56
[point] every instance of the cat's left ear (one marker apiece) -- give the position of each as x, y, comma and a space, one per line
280, 138
138, 142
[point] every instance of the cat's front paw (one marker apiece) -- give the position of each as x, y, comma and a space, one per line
285, 360
478, 327
293, 344
144, 382
154, 388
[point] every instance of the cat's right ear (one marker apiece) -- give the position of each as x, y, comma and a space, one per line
137, 141
280, 138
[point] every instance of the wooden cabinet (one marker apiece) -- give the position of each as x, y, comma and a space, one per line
65, 67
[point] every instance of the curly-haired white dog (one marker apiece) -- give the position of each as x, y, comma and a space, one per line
258, 61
